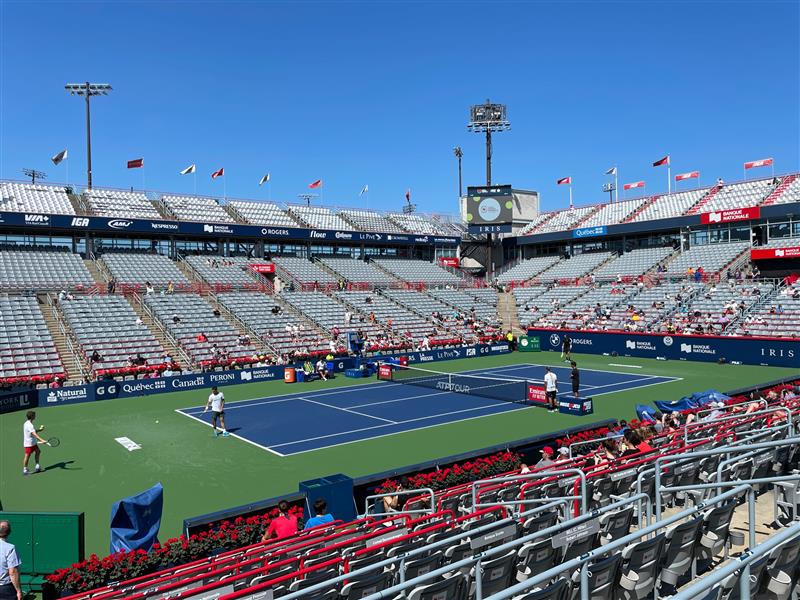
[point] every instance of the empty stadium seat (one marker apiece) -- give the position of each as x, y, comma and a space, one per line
34, 198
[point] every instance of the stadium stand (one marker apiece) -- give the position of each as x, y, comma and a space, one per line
319, 217
611, 214
669, 205
138, 269
285, 332
263, 213
109, 326
419, 271
230, 271
788, 191
539, 220
34, 198
27, 350
302, 270
789, 242
530, 534
633, 263
777, 316
564, 219
33, 270
527, 269
367, 220
416, 223
735, 195
196, 208
712, 258
575, 267
465, 303
208, 339
121, 204
356, 271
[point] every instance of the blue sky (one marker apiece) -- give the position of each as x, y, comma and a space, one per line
378, 93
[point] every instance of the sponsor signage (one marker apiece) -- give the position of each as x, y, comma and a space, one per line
449, 261
584, 232
767, 253
747, 350
478, 229
536, 393
263, 268
14, 400
104, 224
576, 406
573, 534
385, 372
528, 344
732, 214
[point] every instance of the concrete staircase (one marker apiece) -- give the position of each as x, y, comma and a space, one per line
58, 330
704, 200
160, 334
96, 273
776, 193
508, 314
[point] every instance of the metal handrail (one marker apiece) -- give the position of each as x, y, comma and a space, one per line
414, 492
528, 476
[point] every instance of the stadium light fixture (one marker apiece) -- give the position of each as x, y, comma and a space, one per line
307, 197
34, 174
458, 154
87, 90
488, 118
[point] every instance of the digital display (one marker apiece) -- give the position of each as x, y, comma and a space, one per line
490, 205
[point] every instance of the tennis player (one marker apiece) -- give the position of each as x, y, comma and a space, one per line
551, 389
30, 441
216, 401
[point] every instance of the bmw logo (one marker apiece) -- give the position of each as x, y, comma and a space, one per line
555, 340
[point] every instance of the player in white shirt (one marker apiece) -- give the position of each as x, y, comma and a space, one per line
30, 441
551, 389
216, 401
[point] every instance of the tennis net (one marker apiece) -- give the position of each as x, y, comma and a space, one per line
510, 390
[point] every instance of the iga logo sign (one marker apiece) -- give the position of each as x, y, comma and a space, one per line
80, 222
119, 224
471, 352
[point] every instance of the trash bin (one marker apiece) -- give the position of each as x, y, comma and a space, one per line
289, 376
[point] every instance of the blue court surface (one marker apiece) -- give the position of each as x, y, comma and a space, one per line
303, 422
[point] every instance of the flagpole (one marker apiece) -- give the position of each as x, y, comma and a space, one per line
669, 178
616, 185
66, 160
269, 190
194, 174
570, 196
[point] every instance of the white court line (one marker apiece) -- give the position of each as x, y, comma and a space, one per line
594, 370
347, 410
238, 437
454, 412
624, 366
401, 399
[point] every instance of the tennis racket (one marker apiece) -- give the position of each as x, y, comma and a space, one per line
53, 442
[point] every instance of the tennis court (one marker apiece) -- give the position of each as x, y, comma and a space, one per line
303, 422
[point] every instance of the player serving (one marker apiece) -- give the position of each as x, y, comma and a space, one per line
216, 401
30, 441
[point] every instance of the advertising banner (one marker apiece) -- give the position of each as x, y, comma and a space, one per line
22, 399
589, 231
732, 214
768, 253
527, 343
263, 268
746, 350
449, 261
536, 393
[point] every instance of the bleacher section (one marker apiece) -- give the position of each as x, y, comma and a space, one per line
319, 217
791, 193
263, 213
738, 195
276, 329
356, 271
34, 198
575, 267
633, 263
527, 269
419, 271
670, 205
196, 208
109, 325
27, 350
611, 214
415, 223
779, 316
121, 204
303, 270
469, 304
367, 220
137, 269
31, 270
195, 317
564, 219
713, 258
224, 271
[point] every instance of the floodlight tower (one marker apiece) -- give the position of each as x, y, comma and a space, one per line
87, 90
307, 197
488, 118
34, 174
459, 155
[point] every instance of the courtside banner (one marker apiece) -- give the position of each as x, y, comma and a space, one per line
109, 225
733, 214
22, 399
536, 393
767, 253
746, 350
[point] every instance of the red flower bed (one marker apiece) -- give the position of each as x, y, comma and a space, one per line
96, 572
471, 470
589, 435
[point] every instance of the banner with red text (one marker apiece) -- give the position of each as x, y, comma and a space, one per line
732, 214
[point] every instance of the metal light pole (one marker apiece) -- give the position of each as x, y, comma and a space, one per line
488, 118
87, 90
458, 153
34, 175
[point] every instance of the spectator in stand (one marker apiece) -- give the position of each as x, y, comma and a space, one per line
96, 357
176, 319
607, 451
547, 458
524, 469
111, 285
322, 516
170, 287
282, 526
698, 274
202, 337
148, 288
10, 588
634, 443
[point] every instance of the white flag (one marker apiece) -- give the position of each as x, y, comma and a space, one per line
264, 179
59, 157
189, 169
364, 190
612, 171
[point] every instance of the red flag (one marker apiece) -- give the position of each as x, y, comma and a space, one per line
136, 163
635, 184
216, 174
315, 184
764, 162
408, 195
564, 181
689, 175
662, 161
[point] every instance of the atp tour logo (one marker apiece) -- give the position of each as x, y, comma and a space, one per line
668, 340
449, 386
555, 339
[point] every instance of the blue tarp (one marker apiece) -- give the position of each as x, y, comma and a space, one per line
646, 413
135, 521
696, 400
